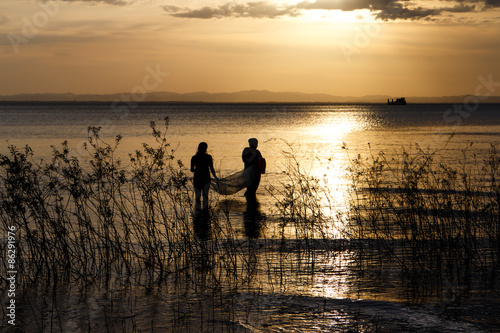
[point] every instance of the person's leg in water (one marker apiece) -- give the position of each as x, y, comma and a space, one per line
202, 217
252, 189
197, 199
206, 188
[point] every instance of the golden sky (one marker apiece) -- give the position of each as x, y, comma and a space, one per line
339, 47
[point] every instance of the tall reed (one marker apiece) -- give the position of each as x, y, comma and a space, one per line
438, 222
102, 222
98, 218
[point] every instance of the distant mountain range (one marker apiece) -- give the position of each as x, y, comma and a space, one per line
248, 96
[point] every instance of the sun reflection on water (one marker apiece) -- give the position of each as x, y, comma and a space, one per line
333, 126
331, 166
336, 283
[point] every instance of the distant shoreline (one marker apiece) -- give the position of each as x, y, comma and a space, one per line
120, 103
241, 97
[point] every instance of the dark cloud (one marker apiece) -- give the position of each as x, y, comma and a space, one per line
260, 9
388, 9
460, 9
382, 9
345, 5
396, 11
493, 3
109, 2
172, 9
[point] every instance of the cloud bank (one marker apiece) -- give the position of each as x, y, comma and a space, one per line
260, 9
387, 10
109, 2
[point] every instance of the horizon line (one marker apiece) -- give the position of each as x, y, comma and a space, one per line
243, 96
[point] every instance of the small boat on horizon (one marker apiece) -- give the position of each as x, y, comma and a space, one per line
398, 101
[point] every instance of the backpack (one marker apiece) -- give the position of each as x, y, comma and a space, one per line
261, 164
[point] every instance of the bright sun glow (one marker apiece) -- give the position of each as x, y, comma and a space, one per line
334, 128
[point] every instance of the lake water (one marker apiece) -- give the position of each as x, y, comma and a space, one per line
339, 297
318, 130
315, 132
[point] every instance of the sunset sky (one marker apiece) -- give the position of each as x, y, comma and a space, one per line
339, 47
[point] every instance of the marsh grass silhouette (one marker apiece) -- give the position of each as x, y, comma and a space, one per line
440, 224
100, 224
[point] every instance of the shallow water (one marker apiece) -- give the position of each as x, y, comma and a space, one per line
309, 287
281, 295
316, 133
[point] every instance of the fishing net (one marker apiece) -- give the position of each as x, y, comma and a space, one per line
234, 183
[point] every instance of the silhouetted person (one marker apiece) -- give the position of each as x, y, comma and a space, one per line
202, 165
250, 157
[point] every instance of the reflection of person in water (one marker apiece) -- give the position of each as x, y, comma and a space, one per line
253, 219
202, 165
251, 157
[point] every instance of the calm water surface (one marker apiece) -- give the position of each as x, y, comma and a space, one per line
318, 130
316, 133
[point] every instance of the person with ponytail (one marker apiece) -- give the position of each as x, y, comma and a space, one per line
202, 165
